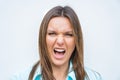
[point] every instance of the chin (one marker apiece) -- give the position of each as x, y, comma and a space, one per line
59, 62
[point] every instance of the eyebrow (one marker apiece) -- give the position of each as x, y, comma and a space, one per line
70, 31
51, 31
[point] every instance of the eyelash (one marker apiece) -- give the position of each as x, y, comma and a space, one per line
69, 34
51, 33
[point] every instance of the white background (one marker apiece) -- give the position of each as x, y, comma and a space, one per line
19, 27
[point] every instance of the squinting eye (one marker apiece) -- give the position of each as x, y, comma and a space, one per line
70, 35
52, 34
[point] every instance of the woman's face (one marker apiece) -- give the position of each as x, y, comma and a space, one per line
60, 40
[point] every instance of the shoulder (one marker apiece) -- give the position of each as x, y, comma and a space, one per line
22, 75
92, 75
25, 74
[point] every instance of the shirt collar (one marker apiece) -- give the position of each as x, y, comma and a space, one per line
71, 73
37, 73
70, 76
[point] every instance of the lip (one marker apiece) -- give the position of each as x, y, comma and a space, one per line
59, 50
59, 55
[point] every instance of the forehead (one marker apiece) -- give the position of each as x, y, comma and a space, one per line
61, 23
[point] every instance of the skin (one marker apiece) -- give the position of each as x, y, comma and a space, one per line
60, 37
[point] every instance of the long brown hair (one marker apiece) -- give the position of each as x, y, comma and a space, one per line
77, 55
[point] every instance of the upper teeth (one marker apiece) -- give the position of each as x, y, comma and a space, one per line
59, 50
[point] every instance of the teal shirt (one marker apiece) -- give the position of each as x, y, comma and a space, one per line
71, 75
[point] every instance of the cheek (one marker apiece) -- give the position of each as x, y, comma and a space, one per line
70, 44
49, 41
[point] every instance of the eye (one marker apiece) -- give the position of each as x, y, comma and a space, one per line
52, 33
69, 34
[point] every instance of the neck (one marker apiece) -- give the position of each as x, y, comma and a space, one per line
60, 72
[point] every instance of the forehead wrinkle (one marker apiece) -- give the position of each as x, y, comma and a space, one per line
62, 28
58, 30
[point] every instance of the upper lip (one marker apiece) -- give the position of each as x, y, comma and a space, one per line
59, 49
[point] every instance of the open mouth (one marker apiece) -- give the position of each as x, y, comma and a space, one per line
59, 53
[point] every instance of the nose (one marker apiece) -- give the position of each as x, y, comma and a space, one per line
60, 40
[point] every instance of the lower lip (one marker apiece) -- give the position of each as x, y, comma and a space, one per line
59, 56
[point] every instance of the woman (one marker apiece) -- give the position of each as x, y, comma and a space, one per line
60, 49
